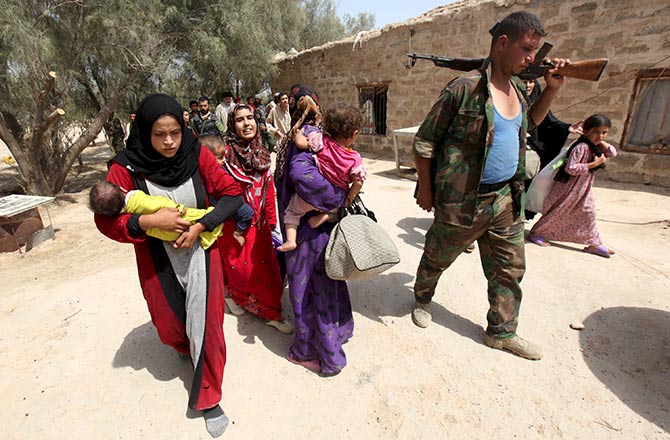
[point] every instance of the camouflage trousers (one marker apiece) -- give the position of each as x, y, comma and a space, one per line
499, 234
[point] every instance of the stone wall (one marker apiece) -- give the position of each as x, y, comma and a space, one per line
633, 34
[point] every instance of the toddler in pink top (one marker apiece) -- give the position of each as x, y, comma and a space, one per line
337, 162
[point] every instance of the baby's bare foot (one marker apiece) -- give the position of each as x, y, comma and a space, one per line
237, 235
288, 246
317, 220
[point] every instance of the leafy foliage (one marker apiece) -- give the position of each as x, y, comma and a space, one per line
107, 54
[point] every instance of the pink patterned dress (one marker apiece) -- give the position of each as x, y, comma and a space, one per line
570, 209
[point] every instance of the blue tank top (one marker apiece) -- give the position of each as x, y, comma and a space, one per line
503, 158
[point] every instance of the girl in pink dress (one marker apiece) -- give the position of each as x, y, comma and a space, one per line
569, 209
336, 160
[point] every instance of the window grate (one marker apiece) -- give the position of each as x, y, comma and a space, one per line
372, 100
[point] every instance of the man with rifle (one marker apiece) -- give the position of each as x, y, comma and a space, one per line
470, 163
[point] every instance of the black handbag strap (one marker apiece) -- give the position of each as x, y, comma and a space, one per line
357, 207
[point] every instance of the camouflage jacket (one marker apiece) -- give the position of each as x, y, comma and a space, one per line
457, 135
210, 125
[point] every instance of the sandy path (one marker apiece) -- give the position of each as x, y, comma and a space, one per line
80, 358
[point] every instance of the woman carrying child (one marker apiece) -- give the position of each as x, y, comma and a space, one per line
251, 271
569, 209
337, 161
321, 306
181, 282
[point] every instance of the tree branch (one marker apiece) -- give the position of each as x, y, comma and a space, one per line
38, 130
53, 117
15, 148
92, 131
48, 87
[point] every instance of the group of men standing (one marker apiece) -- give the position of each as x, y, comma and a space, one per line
206, 122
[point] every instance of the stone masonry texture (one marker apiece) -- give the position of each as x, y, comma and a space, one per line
633, 34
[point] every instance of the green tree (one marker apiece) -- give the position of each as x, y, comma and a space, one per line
67, 65
321, 23
364, 21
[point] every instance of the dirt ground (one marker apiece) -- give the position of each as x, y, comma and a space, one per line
81, 359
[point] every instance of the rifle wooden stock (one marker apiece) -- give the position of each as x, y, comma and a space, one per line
589, 70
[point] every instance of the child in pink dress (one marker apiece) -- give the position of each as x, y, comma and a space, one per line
569, 209
337, 162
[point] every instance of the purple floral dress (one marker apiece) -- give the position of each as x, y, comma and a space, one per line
322, 309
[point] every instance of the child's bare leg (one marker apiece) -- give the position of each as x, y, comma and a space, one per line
317, 220
291, 237
239, 237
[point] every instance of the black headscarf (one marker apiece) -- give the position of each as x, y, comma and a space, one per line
299, 117
550, 135
562, 175
297, 92
141, 157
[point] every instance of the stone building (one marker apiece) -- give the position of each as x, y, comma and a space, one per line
634, 90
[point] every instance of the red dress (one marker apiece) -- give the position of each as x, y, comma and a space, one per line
165, 297
252, 272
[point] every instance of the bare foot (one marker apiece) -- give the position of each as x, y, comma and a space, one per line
288, 246
237, 235
317, 220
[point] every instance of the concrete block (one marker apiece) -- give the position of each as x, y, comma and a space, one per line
657, 164
632, 49
586, 7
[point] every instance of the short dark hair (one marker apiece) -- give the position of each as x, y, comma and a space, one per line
342, 121
203, 98
212, 142
190, 103
106, 199
516, 25
227, 94
595, 121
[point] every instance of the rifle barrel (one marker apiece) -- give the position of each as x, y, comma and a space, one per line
589, 70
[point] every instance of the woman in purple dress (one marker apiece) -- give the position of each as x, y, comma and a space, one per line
322, 309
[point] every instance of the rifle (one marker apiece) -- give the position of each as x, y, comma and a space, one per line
589, 70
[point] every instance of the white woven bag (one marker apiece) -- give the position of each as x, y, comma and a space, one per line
358, 248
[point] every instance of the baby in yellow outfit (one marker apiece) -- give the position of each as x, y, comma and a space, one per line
109, 199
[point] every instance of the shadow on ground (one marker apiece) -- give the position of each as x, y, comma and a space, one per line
142, 349
568, 247
252, 329
391, 295
414, 230
402, 174
628, 349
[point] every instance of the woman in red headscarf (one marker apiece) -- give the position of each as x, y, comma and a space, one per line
251, 271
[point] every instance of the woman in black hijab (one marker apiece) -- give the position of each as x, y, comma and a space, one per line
181, 282
548, 138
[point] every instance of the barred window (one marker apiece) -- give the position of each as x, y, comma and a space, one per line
647, 128
372, 100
